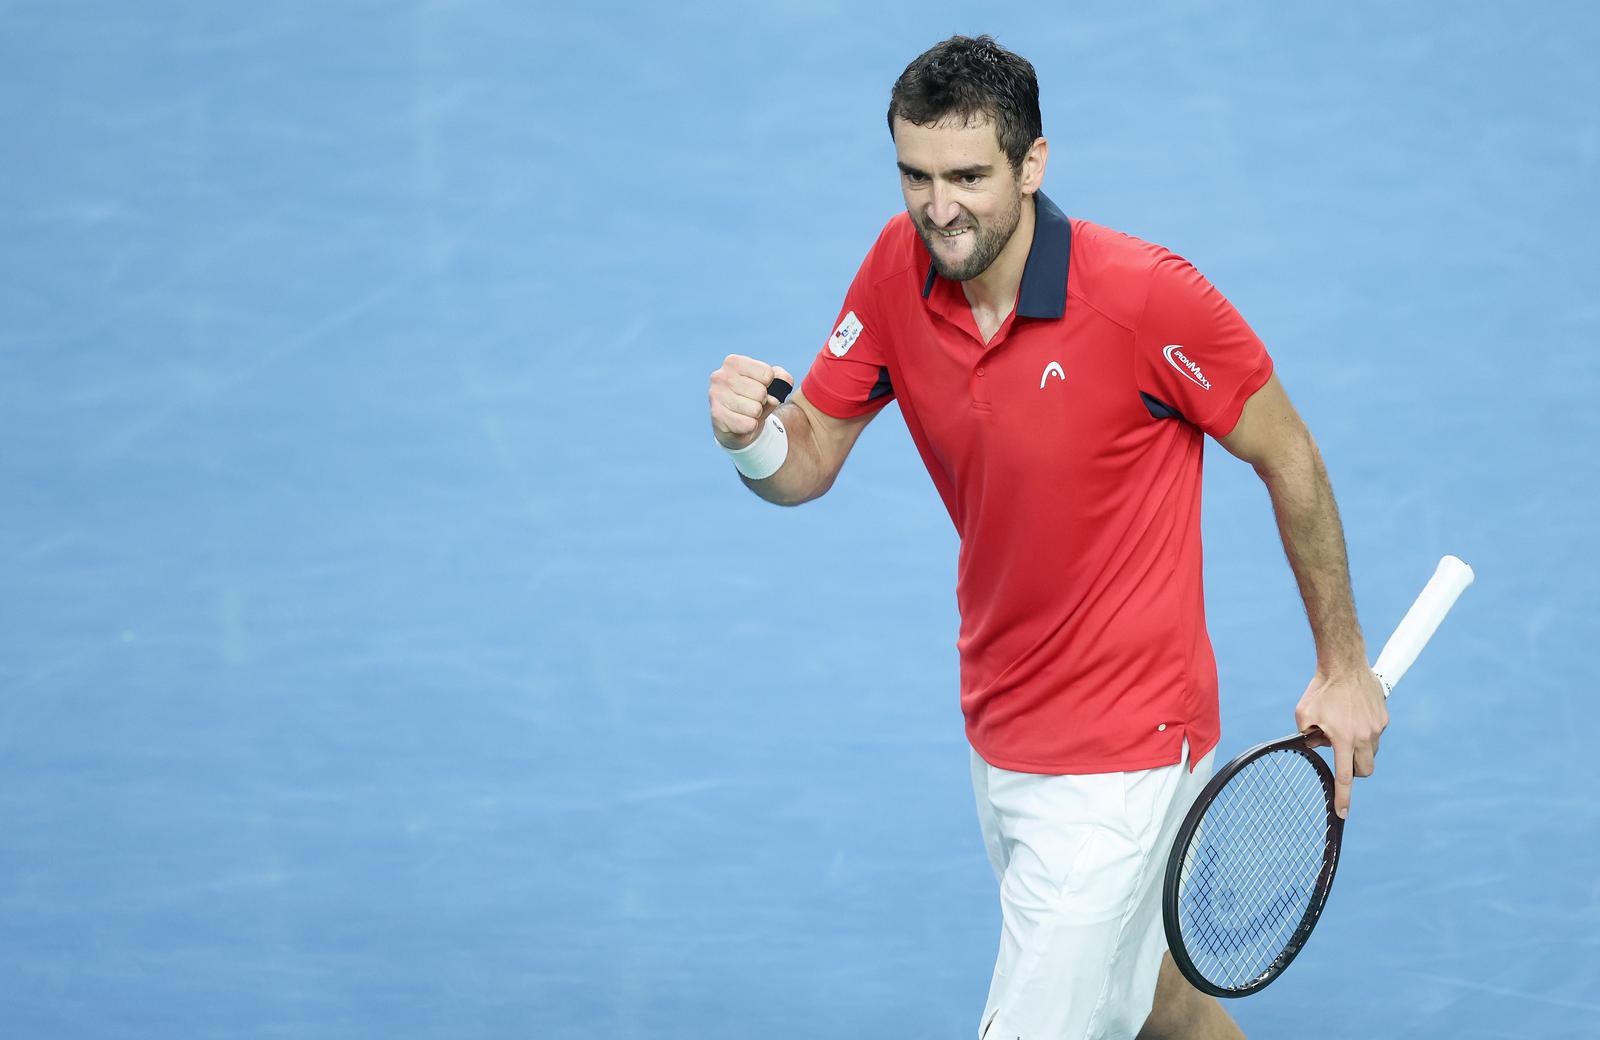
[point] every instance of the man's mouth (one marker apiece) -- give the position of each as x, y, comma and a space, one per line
951, 232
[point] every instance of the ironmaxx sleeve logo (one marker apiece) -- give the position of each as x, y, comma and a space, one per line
1180, 361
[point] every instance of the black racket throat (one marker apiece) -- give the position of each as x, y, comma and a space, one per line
1251, 868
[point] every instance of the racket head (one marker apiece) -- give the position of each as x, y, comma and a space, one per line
1251, 868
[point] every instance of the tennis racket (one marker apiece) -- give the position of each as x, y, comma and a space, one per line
1253, 863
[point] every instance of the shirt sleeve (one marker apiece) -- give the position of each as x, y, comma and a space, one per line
850, 376
1194, 353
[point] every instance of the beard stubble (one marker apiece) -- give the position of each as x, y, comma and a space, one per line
990, 242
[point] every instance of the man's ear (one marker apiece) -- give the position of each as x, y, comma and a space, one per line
1033, 164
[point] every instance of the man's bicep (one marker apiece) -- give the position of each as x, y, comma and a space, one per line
1269, 433
833, 437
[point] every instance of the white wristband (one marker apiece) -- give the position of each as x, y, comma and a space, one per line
764, 456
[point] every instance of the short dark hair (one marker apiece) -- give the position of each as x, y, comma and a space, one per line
972, 79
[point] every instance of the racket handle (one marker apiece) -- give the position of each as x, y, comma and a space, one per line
1448, 582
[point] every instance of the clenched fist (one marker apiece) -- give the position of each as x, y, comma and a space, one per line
739, 399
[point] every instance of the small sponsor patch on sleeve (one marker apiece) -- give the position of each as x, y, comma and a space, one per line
845, 336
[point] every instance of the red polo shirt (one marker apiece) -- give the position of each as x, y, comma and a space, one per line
1067, 451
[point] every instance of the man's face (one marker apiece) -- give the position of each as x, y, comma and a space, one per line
962, 194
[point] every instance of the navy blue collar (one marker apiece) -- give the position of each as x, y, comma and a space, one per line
1044, 276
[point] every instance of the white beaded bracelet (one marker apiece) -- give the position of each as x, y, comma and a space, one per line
764, 456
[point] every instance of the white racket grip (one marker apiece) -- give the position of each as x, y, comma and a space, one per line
1449, 580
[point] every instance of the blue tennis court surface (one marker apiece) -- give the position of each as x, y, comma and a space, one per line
385, 650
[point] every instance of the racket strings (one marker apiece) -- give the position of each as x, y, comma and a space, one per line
1253, 868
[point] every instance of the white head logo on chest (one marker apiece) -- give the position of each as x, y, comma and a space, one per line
1052, 369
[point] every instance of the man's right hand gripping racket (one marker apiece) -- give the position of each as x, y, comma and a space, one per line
1252, 864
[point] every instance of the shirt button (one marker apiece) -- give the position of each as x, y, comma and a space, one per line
980, 371
1161, 728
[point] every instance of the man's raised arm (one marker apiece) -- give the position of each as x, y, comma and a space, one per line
807, 445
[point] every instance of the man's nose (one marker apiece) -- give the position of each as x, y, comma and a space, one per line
943, 208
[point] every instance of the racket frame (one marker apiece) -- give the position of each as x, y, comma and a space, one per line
1180, 847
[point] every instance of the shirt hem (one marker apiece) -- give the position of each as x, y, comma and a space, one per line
1224, 422
838, 407
1118, 765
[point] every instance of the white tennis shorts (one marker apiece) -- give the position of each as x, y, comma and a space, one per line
1080, 861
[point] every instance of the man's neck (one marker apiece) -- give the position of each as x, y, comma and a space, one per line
994, 292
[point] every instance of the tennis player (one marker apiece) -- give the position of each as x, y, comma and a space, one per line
1059, 380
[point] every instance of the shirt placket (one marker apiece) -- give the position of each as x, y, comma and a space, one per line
952, 306
988, 357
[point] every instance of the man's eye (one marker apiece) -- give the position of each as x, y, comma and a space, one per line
971, 180
916, 178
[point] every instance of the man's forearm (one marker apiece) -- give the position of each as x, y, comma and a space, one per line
1313, 540
1343, 704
